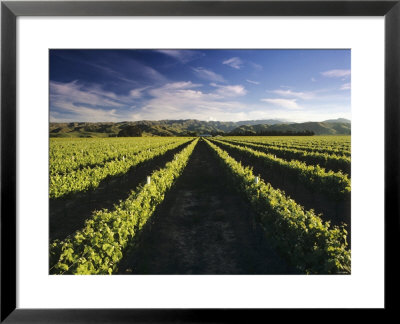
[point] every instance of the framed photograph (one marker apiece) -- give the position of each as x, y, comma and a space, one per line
197, 160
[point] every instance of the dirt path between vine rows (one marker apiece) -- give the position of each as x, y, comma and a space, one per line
202, 227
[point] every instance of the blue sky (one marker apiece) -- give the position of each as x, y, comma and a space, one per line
223, 85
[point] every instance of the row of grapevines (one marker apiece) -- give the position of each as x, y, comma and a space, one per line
71, 154
334, 184
342, 141
90, 178
330, 140
99, 246
298, 146
302, 237
328, 161
327, 142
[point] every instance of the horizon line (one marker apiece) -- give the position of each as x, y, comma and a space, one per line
202, 120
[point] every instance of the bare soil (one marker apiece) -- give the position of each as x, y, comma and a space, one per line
202, 227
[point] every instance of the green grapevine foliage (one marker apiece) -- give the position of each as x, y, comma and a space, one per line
337, 145
90, 177
328, 161
99, 246
334, 184
302, 237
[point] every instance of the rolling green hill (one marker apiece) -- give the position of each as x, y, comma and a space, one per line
317, 128
338, 120
192, 127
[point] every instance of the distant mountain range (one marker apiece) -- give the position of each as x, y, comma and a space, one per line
338, 120
322, 128
193, 127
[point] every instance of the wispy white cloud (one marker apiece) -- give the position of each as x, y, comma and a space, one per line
152, 74
313, 80
90, 103
284, 103
208, 75
256, 66
290, 93
77, 93
229, 90
174, 100
185, 100
182, 56
181, 89
137, 93
181, 85
346, 86
336, 73
76, 112
234, 62
252, 82
133, 69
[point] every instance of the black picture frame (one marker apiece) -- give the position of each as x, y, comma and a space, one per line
10, 10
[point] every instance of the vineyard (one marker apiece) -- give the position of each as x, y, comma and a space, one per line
190, 205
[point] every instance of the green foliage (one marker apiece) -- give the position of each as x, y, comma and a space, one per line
69, 154
81, 165
328, 161
334, 184
302, 237
333, 145
99, 246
